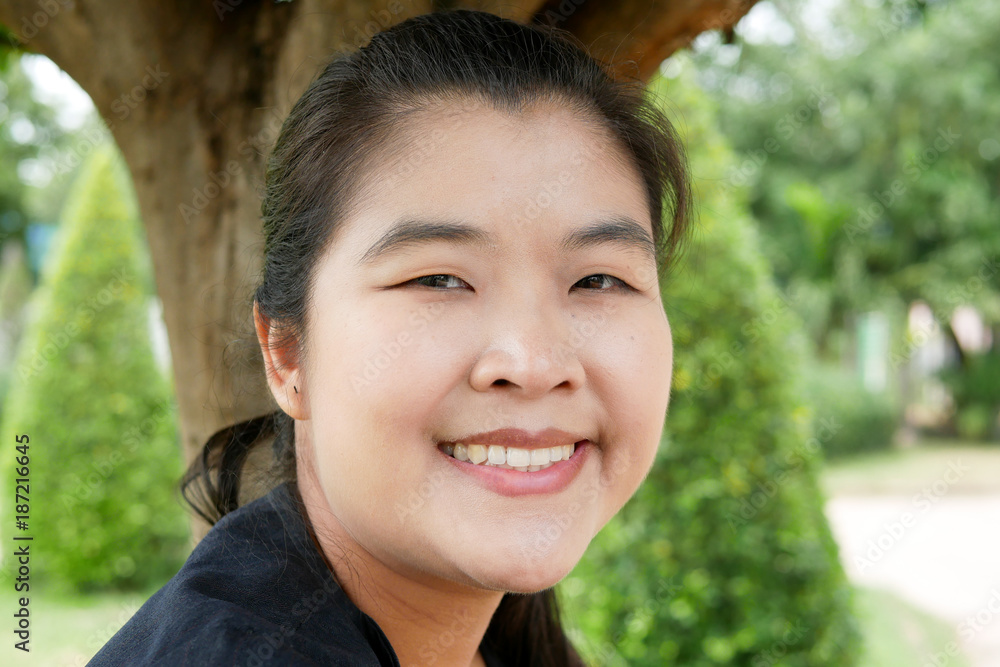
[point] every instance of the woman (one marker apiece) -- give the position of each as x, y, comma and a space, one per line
466, 225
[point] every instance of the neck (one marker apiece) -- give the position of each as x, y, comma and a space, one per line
426, 619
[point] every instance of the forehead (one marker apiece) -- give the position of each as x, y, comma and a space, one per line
526, 172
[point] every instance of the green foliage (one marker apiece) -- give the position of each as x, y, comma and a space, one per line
871, 153
33, 147
104, 453
975, 389
724, 556
866, 421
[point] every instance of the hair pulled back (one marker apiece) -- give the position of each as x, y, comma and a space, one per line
335, 136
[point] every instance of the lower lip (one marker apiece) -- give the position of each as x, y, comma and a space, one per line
510, 483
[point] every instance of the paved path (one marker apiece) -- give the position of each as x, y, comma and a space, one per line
941, 554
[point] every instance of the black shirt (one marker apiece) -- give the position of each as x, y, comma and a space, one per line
255, 591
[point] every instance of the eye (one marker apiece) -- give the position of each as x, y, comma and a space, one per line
604, 278
609, 282
429, 281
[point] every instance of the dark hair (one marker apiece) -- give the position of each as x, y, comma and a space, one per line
341, 126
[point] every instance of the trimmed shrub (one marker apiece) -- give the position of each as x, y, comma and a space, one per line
724, 556
104, 455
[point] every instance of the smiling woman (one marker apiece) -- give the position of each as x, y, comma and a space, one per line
474, 219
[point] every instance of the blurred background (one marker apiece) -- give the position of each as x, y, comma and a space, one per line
828, 488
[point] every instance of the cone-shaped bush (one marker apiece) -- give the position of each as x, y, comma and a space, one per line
100, 416
724, 556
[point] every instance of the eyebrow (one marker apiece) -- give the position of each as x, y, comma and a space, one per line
618, 230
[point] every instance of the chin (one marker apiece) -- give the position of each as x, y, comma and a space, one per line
526, 584
532, 571
538, 585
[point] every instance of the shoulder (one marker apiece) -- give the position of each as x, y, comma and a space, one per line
254, 591
210, 634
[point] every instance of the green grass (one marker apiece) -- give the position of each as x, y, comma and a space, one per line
896, 633
909, 470
66, 630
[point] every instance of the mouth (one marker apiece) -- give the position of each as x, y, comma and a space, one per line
489, 466
510, 458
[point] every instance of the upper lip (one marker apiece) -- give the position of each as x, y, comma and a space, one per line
520, 438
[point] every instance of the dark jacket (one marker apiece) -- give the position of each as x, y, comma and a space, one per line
255, 591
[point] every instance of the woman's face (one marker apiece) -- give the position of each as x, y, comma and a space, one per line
496, 324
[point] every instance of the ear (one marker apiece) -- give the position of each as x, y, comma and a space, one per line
286, 380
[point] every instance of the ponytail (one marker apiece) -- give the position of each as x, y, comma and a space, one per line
211, 485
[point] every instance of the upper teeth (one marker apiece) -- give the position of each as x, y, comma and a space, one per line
525, 460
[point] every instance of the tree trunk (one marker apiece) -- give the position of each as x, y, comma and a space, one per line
194, 93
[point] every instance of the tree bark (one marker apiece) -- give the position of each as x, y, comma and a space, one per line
194, 93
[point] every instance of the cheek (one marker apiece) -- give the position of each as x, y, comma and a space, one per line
392, 347
634, 355
637, 363
376, 388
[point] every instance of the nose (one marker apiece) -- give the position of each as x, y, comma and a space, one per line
530, 348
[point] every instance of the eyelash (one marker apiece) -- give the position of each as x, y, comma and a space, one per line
618, 283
